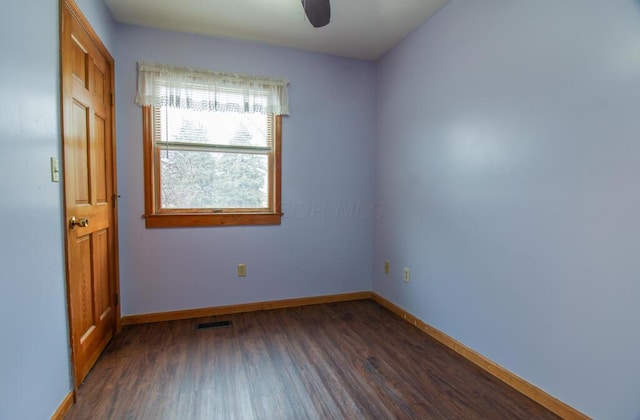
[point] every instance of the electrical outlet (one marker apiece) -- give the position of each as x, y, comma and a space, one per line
386, 267
242, 270
407, 275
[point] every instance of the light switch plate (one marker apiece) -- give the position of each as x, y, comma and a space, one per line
55, 170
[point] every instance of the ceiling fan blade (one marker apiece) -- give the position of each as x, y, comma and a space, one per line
318, 12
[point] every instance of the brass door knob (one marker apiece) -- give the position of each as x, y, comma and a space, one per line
74, 223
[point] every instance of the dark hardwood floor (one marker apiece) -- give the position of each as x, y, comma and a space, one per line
351, 360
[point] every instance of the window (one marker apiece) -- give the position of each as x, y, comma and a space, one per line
211, 147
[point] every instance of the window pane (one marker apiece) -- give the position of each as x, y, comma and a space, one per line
219, 128
204, 180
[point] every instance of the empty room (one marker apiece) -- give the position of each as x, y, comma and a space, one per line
310, 209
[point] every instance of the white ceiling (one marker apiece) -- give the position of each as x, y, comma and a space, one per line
363, 29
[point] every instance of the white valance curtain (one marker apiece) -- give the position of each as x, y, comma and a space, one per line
202, 90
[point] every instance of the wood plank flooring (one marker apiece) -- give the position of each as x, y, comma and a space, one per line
349, 360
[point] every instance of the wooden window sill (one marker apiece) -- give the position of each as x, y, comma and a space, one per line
218, 219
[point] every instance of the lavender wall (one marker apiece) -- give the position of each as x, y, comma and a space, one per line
99, 16
325, 243
508, 163
34, 352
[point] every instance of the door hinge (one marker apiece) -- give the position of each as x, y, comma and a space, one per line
116, 299
114, 199
111, 98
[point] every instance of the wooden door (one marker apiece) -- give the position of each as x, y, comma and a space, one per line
89, 185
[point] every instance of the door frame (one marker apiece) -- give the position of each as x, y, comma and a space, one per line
75, 11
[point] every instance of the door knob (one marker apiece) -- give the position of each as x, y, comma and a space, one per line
74, 223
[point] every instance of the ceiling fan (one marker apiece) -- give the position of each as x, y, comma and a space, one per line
318, 12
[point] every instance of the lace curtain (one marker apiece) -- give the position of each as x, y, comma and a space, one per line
181, 87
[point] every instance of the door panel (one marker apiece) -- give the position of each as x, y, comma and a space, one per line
89, 174
99, 126
99, 84
79, 62
78, 160
101, 272
81, 281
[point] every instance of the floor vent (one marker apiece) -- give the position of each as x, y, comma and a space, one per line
218, 324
